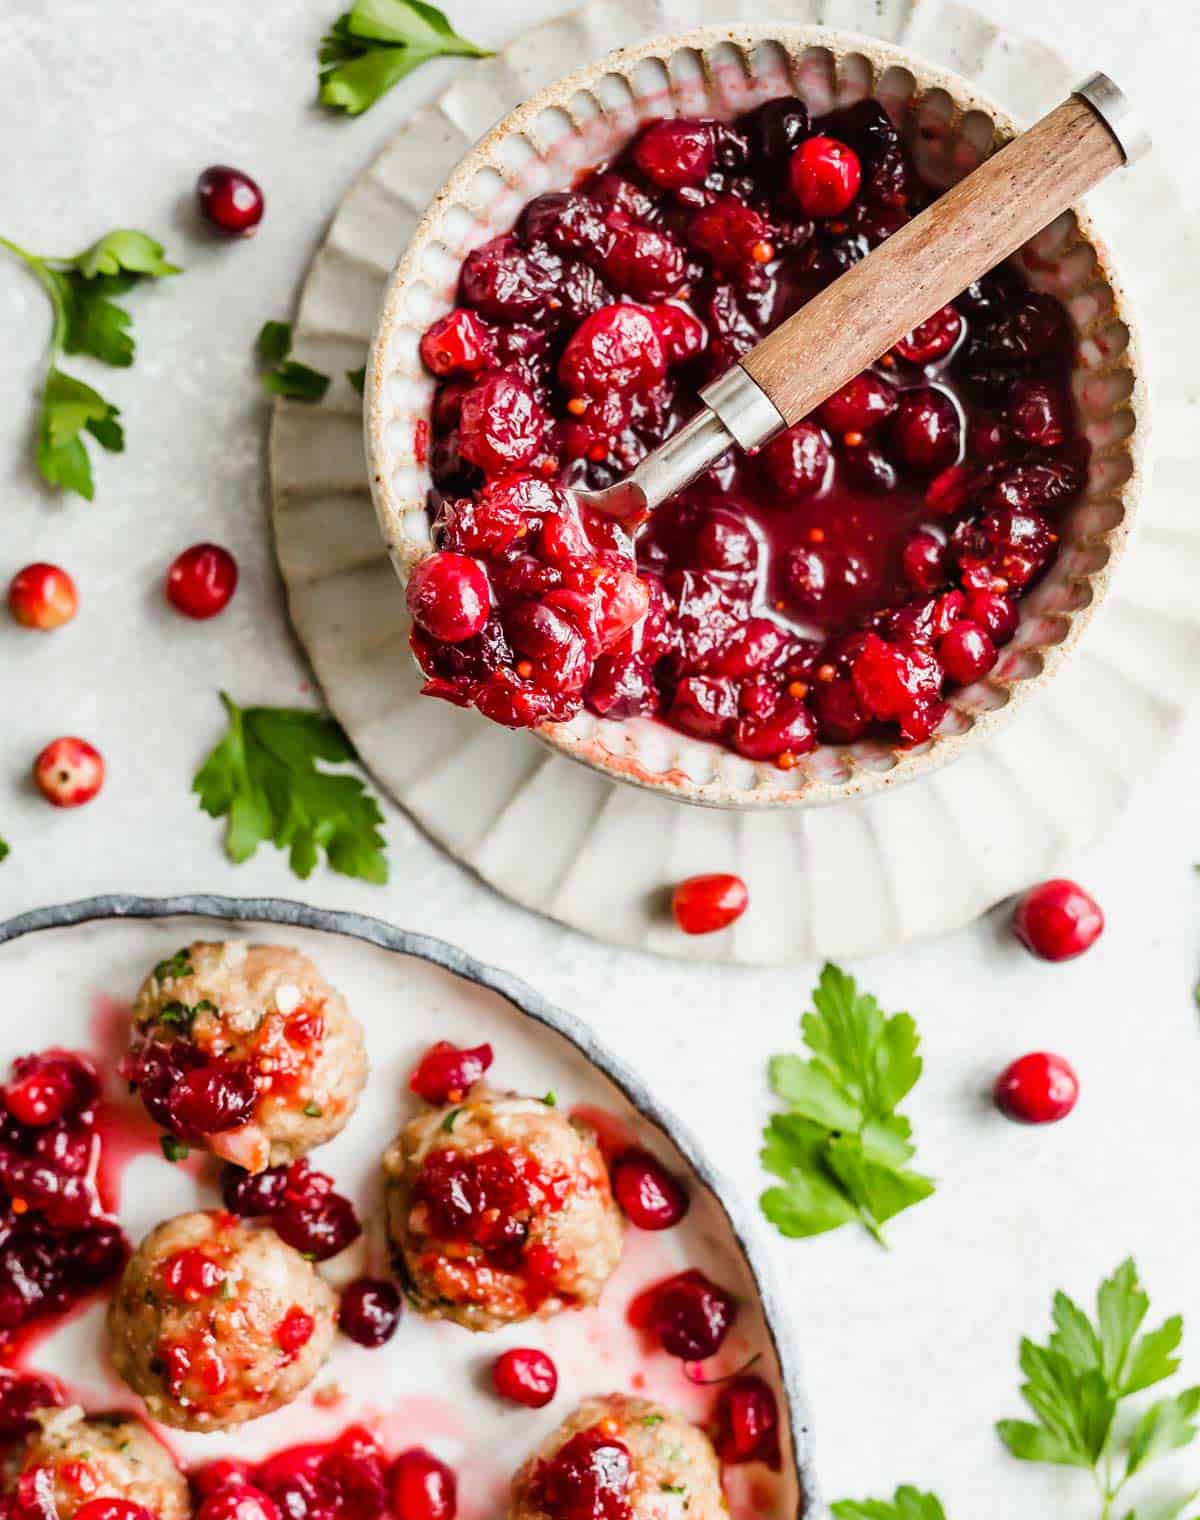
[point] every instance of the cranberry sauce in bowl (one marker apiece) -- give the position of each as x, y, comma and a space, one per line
830, 597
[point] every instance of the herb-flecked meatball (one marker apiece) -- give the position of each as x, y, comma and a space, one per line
71, 1458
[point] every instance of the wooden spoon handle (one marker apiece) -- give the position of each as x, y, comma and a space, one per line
930, 260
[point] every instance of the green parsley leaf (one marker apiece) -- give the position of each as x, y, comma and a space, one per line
376, 43
650, 1420
87, 321
447, 1124
907, 1504
264, 779
841, 1150
5, 851
283, 376
550, 1099
1076, 1381
313, 1110
358, 378
172, 1149
179, 964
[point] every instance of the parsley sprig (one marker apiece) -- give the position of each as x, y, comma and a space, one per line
87, 320
263, 778
841, 1149
5, 850
282, 375
377, 43
907, 1504
1076, 1381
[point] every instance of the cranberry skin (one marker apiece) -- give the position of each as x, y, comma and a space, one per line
249, 1194
924, 560
705, 904
202, 580
1037, 414
927, 430
651, 1198
949, 491
39, 1099
238, 1501
319, 1228
746, 1421
191, 1275
732, 234
212, 1098
825, 176
525, 1376
797, 462
449, 597
587, 1479
997, 615
861, 404
42, 596
422, 1487
446, 1072
229, 201
691, 1316
1058, 920
69, 772
460, 343
1039, 1088
369, 1311
502, 425
676, 154
966, 653
781, 736
933, 339
618, 348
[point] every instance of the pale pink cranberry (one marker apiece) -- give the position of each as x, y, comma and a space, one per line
705, 904
1039, 1088
202, 580
525, 1376
651, 1198
460, 343
69, 772
422, 1487
1058, 920
446, 1072
229, 200
824, 175
42, 596
966, 653
448, 596
675, 154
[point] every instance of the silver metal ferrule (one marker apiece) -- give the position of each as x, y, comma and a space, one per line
749, 414
1112, 106
686, 454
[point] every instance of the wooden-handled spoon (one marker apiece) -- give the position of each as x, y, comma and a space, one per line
987, 216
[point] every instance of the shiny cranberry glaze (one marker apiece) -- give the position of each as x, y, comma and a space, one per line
1058, 920
422, 1487
525, 1376
587, 1479
690, 1315
343, 1479
202, 580
238, 1500
649, 1195
369, 1310
446, 1072
229, 200
488, 1199
42, 596
1039, 1088
582, 339
746, 1423
56, 1242
298, 1202
704, 904
109, 1507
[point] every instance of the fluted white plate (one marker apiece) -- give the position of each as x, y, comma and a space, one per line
846, 880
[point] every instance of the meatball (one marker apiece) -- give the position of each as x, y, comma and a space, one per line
246, 1050
80, 1458
499, 1208
216, 1321
624, 1458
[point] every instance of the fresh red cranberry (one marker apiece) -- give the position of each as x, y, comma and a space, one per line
618, 348
704, 706
900, 684
651, 1198
217, 1096
202, 580
191, 1274
448, 596
781, 736
675, 154
501, 424
69, 772
460, 343
825, 176
924, 560
446, 1072
1058, 920
997, 615
704, 904
933, 339
42, 596
869, 467
966, 653
861, 404
746, 1420
238, 1501
588, 1478
369, 1311
926, 431
1037, 414
109, 1507
525, 1376
229, 200
422, 1487
732, 234
691, 1316
40, 1098
294, 1330
797, 462
1039, 1088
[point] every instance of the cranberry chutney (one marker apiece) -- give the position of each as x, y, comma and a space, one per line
833, 587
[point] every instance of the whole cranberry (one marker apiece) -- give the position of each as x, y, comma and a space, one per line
460, 343
202, 580
42, 596
781, 736
229, 200
997, 615
933, 339
446, 1072
238, 1501
746, 1421
501, 425
924, 560
691, 1316
733, 235
588, 1478
69, 772
704, 904
251, 1193
217, 1096
1038, 414
966, 652
422, 1487
1057, 920
675, 154
797, 462
869, 467
927, 430
618, 348
369, 1311
651, 1198
1039, 1088
448, 595
40, 1098
824, 175
525, 1376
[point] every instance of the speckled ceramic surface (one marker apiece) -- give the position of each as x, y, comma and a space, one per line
80, 964
870, 872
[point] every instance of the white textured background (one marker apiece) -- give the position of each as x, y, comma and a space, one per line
107, 112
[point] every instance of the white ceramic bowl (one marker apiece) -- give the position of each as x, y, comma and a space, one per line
582, 120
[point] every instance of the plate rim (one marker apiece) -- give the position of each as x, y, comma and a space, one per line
527, 1000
